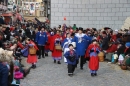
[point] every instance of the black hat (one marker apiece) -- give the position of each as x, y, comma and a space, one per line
106, 28
94, 40
80, 28
72, 34
71, 45
94, 29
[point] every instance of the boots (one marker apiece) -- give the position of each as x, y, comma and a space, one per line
33, 66
54, 61
46, 54
58, 62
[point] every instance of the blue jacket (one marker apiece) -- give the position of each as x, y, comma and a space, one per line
67, 54
41, 38
81, 45
3, 75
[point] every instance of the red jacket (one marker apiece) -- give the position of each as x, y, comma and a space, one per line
112, 48
55, 53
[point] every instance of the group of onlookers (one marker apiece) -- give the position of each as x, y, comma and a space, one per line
73, 43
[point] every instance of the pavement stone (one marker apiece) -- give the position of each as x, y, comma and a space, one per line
49, 74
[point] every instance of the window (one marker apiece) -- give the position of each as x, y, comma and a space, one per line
42, 13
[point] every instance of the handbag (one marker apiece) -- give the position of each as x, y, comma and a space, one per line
18, 75
32, 50
58, 47
101, 56
72, 58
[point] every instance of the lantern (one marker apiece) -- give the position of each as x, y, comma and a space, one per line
64, 18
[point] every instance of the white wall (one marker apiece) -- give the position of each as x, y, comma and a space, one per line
90, 13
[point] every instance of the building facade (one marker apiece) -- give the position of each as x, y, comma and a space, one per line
90, 13
3, 6
34, 8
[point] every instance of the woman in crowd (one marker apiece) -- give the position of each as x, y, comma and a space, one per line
32, 57
55, 47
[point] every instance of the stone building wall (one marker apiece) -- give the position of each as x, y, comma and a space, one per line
90, 13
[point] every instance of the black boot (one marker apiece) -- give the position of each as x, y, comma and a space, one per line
81, 68
46, 54
43, 56
54, 61
70, 75
34, 66
39, 57
95, 74
58, 62
92, 74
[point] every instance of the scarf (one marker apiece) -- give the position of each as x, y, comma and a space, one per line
71, 52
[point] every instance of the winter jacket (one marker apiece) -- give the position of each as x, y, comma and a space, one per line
67, 56
41, 38
3, 75
82, 43
105, 45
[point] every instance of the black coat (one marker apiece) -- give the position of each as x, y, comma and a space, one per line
121, 50
28, 33
105, 42
2, 21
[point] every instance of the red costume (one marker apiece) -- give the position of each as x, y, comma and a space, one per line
94, 61
48, 42
32, 58
55, 53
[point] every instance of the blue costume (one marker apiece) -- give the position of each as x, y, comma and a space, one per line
41, 38
71, 57
82, 42
65, 45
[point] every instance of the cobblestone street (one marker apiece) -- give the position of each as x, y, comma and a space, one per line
49, 74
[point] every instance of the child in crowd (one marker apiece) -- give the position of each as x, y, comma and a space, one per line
93, 51
71, 57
